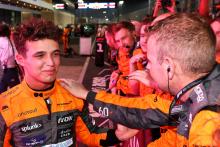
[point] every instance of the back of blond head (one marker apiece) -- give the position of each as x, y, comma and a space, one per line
188, 39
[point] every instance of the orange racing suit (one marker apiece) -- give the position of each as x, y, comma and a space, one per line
195, 118
46, 118
123, 60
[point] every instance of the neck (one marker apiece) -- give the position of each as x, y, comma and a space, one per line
38, 85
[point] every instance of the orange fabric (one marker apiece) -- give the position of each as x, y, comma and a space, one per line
22, 105
123, 66
150, 101
204, 124
139, 64
203, 127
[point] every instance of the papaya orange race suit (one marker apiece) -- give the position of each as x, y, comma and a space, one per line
193, 121
47, 118
123, 60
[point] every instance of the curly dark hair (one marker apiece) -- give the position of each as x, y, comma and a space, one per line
4, 30
33, 30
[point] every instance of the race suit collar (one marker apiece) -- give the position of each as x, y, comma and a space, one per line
38, 93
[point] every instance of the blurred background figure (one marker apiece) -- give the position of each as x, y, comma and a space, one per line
66, 36
10, 76
216, 28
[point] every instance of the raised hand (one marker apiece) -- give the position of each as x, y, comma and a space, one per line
144, 77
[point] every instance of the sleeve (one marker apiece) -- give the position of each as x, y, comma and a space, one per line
5, 135
150, 111
92, 135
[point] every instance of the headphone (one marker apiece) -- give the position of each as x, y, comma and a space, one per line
168, 69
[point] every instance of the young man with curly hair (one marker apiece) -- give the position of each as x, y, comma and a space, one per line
39, 112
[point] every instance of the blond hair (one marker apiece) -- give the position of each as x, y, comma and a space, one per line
187, 38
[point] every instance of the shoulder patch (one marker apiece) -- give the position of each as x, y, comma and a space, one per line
11, 92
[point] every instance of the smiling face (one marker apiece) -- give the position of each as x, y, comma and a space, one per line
110, 40
124, 38
40, 63
143, 38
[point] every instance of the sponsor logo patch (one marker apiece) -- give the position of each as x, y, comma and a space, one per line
65, 133
34, 141
32, 126
66, 103
65, 119
28, 112
200, 95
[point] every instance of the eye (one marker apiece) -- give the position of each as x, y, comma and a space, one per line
39, 55
57, 53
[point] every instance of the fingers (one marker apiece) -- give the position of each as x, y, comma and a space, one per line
138, 74
137, 58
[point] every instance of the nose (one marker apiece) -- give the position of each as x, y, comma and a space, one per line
50, 60
123, 43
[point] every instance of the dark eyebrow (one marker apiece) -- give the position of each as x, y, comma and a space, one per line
40, 52
57, 50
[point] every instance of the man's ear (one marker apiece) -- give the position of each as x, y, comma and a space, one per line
169, 67
19, 59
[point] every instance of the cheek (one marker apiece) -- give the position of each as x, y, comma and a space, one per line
57, 61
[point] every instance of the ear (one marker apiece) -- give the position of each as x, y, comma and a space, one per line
19, 59
169, 67
134, 35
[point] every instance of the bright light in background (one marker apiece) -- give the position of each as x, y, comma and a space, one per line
107, 19
104, 12
80, 1
121, 2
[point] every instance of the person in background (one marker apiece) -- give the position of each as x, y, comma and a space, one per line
65, 38
10, 75
137, 26
165, 5
216, 28
39, 112
113, 48
124, 35
181, 55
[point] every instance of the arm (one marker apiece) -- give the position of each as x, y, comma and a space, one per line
92, 135
204, 8
5, 135
157, 8
133, 66
113, 81
147, 112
